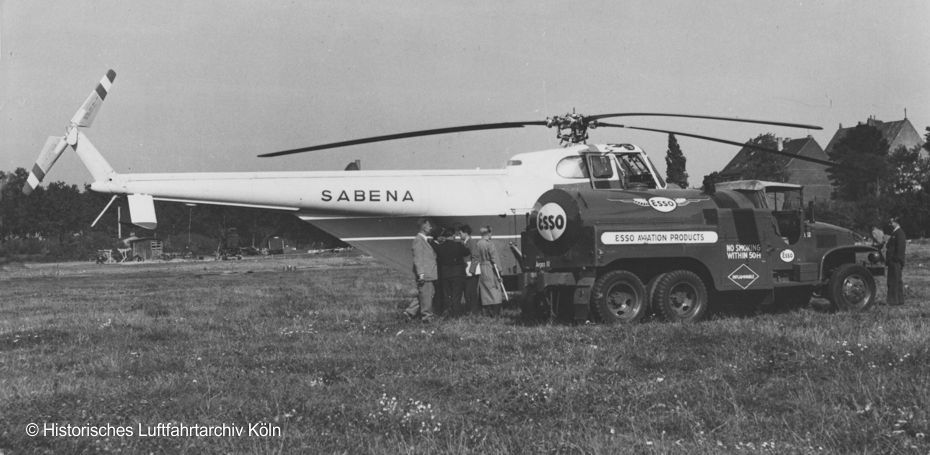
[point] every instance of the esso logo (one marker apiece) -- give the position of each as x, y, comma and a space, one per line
551, 221
662, 204
786, 255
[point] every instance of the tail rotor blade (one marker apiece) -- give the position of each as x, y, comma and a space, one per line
50, 153
85, 115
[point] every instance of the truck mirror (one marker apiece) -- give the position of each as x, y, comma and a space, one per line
809, 213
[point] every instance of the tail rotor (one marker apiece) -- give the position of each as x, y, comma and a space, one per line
54, 146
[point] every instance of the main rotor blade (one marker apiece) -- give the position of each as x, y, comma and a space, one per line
707, 117
725, 141
390, 137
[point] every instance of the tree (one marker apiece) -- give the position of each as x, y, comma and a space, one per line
762, 165
864, 168
62, 211
709, 185
17, 217
909, 170
675, 163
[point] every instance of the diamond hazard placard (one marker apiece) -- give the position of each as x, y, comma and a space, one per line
743, 276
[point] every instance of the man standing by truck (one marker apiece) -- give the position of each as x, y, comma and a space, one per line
489, 286
894, 258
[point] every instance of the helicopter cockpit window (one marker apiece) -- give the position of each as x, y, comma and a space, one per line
572, 167
600, 167
603, 172
636, 170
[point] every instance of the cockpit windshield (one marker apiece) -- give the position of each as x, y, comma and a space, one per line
638, 172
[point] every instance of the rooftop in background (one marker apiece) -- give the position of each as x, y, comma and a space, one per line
898, 133
741, 161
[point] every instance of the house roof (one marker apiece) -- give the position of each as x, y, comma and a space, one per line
741, 161
889, 130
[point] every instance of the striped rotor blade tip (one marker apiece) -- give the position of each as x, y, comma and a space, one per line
47, 158
85, 115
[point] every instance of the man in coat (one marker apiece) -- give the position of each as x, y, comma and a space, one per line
894, 259
424, 270
472, 302
450, 255
489, 287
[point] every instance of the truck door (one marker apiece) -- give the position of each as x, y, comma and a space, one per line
775, 243
749, 238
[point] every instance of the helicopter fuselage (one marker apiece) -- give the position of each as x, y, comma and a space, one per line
376, 211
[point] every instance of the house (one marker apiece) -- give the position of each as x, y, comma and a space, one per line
898, 133
812, 176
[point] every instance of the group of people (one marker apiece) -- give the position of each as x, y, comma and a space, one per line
456, 274
895, 244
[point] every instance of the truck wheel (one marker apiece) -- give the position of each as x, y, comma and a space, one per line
851, 288
619, 296
681, 296
651, 290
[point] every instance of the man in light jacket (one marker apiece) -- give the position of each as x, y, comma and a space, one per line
424, 270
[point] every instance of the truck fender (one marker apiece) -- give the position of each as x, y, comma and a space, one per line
841, 255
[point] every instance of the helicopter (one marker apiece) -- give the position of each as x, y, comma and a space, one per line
376, 210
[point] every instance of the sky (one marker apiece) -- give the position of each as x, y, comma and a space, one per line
208, 85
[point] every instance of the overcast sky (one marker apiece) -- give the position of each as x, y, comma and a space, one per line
207, 85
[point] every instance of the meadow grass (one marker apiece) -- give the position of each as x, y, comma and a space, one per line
317, 348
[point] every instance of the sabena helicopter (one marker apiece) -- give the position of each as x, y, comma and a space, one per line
376, 210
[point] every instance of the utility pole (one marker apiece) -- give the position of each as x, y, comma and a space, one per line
190, 216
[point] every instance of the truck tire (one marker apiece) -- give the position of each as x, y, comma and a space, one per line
651, 289
851, 288
619, 296
681, 296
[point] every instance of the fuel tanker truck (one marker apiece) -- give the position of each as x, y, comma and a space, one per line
617, 247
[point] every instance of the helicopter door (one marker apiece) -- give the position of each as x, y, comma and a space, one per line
602, 170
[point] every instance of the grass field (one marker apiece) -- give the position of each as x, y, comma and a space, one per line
314, 351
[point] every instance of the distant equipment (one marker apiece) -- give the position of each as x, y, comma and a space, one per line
277, 245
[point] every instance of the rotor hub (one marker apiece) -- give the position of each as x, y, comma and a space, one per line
572, 128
